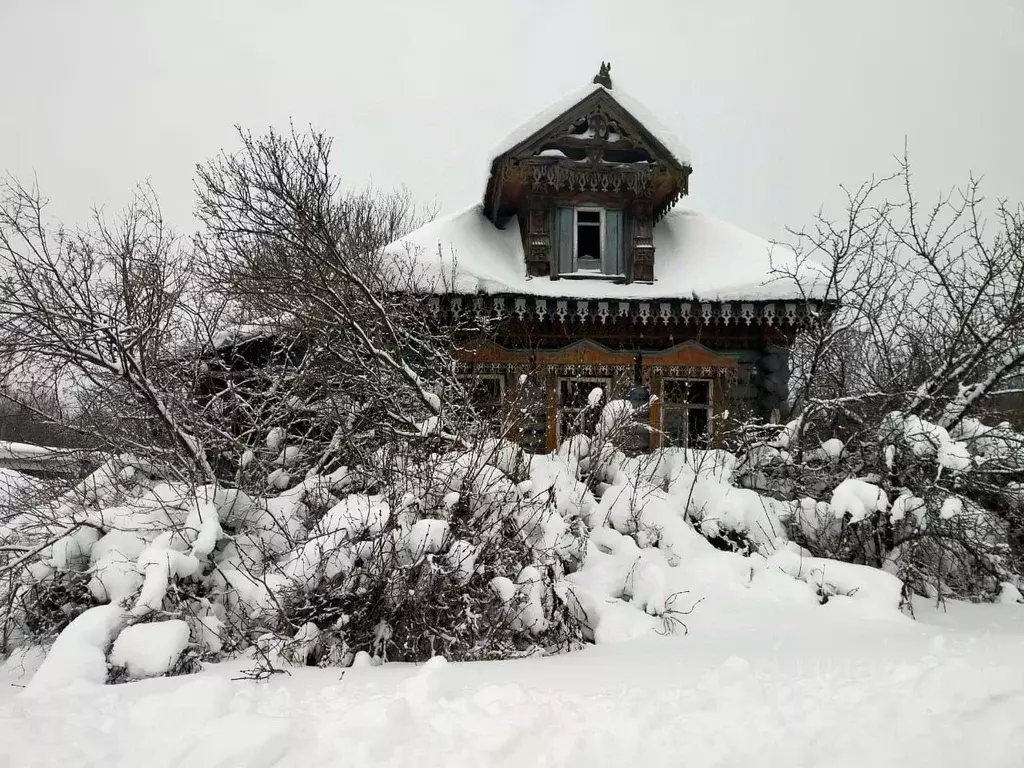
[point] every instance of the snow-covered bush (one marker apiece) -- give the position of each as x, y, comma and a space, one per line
412, 569
400, 571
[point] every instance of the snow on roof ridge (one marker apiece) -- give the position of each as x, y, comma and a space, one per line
553, 111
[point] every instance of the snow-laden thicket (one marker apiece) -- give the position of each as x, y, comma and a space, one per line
942, 509
897, 442
476, 553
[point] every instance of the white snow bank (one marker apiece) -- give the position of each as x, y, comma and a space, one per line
238, 739
833, 578
775, 689
150, 650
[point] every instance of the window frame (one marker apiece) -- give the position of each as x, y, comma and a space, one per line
601, 228
685, 409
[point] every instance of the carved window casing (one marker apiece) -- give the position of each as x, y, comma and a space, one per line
538, 237
588, 242
642, 241
530, 406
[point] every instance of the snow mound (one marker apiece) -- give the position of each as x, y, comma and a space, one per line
150, 650
79, 655
858, 499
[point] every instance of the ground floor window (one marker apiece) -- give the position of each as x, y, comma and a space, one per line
686, 410
486, 392
576, 413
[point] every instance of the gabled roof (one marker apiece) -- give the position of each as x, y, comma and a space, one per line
663, 143
544, 119
698, 256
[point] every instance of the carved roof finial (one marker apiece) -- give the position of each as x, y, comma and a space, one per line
604, 75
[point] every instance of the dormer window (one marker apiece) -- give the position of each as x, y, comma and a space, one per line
588, 242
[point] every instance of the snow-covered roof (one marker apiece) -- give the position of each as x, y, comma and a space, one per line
239, 333
27, 456
695, 255
545, 117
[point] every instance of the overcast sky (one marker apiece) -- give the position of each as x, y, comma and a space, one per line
779, 101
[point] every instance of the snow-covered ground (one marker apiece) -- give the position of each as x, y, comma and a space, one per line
789, 686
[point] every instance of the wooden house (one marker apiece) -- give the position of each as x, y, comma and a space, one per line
594, 275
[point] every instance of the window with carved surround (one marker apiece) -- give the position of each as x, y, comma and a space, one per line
686, 412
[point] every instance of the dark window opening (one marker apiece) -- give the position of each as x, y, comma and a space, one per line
686, 392
580, 128
530, 415
556, 150
484, 392
625, 156
588, 240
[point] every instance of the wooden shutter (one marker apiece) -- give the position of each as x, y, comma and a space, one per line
563, 239
611, 257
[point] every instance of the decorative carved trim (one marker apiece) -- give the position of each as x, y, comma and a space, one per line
609, 125
586, 356
594, 147
642, 244
666, 312
569, 176
538, 234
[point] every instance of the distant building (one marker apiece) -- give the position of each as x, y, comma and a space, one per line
598, 279
1007, 402
30, 443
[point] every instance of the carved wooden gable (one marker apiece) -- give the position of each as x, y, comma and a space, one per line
595, 147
